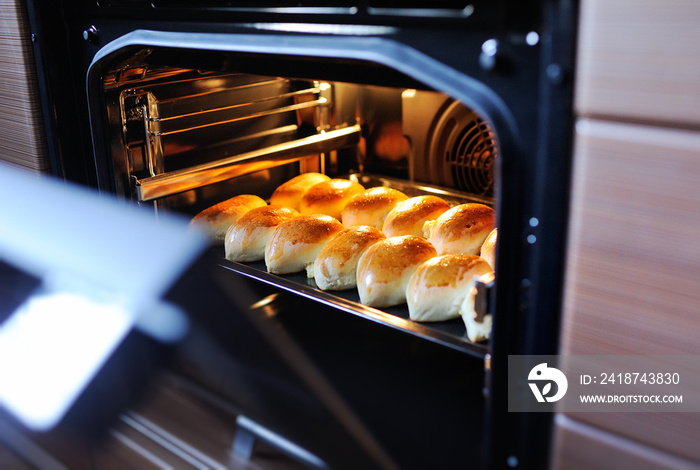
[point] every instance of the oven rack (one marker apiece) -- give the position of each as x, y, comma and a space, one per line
178, 181
205, 109
199, 130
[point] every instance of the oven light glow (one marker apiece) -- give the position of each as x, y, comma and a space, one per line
50, 348
266, 305
490, 47
532, 38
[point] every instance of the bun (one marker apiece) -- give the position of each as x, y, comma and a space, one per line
216, 220
294, 244
478, 324
462, 229
329, 197
436, 289
290, 193
335, 267
488, 248
384, 269
371, 207
247, 237
407, 217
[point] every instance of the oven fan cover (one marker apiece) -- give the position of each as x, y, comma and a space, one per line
462, 149
452, 145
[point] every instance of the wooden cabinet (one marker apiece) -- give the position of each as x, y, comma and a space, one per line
639, 60
633, 257
22, 135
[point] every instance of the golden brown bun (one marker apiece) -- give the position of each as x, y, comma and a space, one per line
216, 220
335, 267
384, 269
462, 229
290, 193
295, 243
407, 217
371, 207
436, 289
246, 238
488, 248
329, 197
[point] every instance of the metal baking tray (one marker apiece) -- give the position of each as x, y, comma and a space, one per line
451, 333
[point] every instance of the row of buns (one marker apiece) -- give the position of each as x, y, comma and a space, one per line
393, 248
459, 229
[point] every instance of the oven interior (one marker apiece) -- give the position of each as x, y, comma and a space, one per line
177, 133
181, 139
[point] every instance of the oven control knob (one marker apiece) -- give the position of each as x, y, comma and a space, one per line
91, 34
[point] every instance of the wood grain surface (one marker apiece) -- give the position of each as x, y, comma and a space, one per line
633, 264
22, 136
579, 446
639, 60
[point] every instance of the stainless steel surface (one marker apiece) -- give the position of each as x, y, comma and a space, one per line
175, 182
162, 126
452, 145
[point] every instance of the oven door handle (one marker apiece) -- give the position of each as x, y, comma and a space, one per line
174, 182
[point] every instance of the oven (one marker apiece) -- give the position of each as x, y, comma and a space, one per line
175, 106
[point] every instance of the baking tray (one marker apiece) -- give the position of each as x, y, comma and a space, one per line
451, 333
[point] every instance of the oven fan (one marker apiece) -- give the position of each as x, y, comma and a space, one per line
462, 149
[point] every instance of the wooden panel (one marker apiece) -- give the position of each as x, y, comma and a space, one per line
633, 264
581, 447
640, 59
22, 136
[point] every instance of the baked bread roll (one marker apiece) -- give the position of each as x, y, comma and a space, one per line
246, 238
371, 207
216, 220
329, 197
384, 269
289, 194
335, 267
488, 248
474, 310
462, 229
436, 289
407, 217
294, 244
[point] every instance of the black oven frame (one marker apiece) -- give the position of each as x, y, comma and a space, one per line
526, 90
